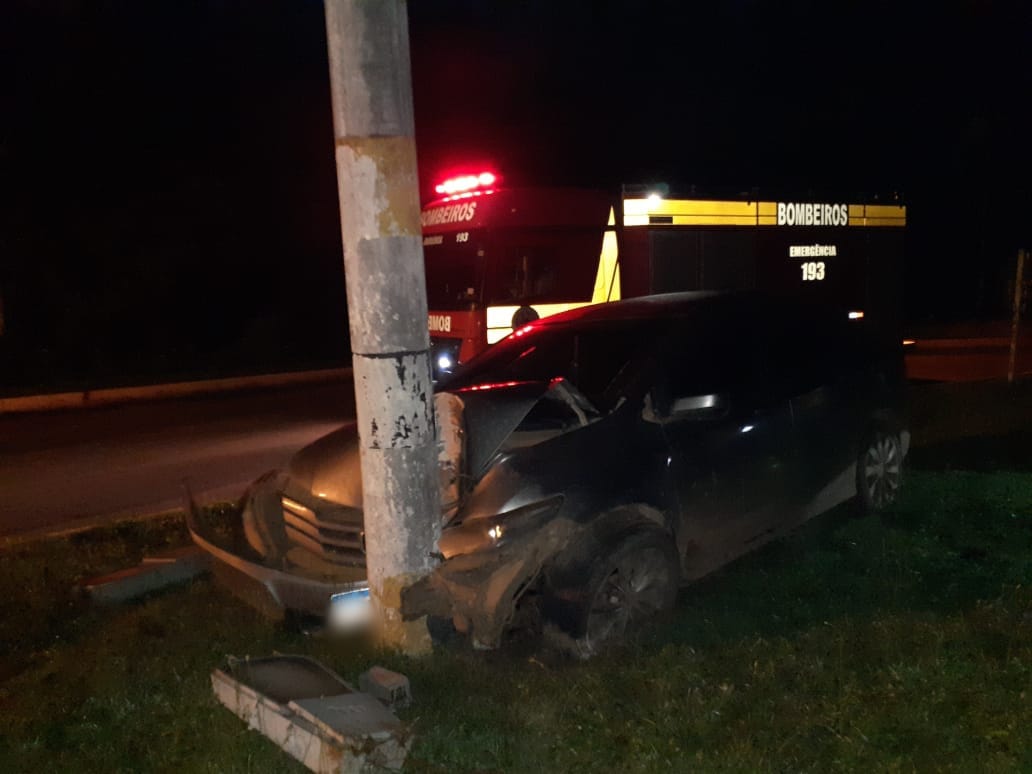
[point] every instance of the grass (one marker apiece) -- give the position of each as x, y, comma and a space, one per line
882, 644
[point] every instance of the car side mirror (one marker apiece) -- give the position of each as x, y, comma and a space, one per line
689, 407
699, 405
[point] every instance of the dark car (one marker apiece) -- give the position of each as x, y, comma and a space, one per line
594, 461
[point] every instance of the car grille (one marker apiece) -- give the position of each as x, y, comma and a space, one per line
334, 539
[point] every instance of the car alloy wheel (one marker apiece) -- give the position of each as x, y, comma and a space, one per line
881, 471
636, 582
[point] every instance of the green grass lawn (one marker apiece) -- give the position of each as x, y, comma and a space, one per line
901, 643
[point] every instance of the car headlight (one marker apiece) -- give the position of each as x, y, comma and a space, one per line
522, 517
494, 531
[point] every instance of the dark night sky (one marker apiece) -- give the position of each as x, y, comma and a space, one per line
169, 198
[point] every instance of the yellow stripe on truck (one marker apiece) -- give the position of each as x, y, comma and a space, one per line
714, 212
607, 280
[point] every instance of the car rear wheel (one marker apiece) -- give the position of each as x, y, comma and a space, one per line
635, 581
879, 472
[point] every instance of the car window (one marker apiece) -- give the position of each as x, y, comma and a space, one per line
600, 360
803, 351
711, 357
704, 368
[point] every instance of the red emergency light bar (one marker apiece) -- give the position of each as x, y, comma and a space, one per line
466, 183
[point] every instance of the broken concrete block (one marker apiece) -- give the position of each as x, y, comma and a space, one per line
359, 724
153, 573
313, 715
391, 688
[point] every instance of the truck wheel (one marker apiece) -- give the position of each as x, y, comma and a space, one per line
635, 581
879, 472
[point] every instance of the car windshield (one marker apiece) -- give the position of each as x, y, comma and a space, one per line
600, 360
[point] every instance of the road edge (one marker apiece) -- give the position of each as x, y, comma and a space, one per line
84, 399
69, 530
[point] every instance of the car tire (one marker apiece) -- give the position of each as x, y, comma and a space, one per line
879, 472
633, 582
442, 631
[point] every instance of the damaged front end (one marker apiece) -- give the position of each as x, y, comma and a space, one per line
299, 544
488, 565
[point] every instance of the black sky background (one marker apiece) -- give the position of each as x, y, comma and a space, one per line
168, 190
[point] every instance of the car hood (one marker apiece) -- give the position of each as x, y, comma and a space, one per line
329, 468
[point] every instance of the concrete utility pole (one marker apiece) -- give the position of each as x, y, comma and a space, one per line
371, 83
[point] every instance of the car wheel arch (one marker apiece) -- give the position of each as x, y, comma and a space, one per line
563, 576
568, 608
884, 420
607, 529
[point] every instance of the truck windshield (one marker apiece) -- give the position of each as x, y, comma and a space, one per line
454, 272
511, 267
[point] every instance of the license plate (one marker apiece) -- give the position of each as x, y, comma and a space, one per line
349, 610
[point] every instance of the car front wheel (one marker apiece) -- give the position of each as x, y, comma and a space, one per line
879, 472
636, 580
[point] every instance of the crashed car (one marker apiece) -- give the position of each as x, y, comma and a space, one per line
595, 461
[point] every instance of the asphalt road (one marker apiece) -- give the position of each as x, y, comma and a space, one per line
61, 468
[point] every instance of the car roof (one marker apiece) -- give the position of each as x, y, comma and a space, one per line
664, 305
740, 308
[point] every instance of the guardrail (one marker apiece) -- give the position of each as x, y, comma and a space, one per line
92, 398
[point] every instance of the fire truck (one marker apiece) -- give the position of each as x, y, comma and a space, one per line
498, 258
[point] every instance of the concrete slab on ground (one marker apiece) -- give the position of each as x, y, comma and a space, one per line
313, 715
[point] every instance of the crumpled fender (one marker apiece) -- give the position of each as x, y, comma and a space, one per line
479, 591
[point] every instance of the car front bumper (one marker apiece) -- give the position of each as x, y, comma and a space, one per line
274, 590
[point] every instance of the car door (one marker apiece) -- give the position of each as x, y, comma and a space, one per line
818, 364
732, 461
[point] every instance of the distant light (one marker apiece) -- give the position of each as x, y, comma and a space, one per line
496, 532
746, 428
654, 199
444, 362
466, 184
856, 315
909, 342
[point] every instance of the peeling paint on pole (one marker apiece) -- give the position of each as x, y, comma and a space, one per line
383, 265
